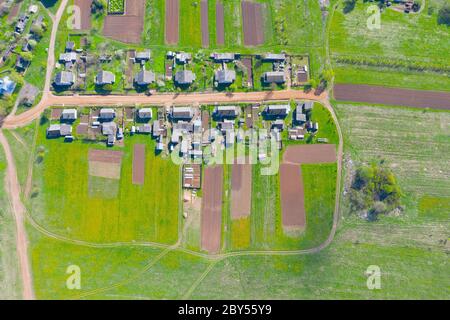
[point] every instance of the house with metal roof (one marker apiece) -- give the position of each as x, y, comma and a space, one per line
277, 111
68, 57
64, 79
228, 112
105, 77
142, 56
223, 57
225, 77
182, 113
70, 46
184, 77
183, 57
144, 78
107, 114
145, 113
69, 115
274, 57
7, 86
277, 77
109, 128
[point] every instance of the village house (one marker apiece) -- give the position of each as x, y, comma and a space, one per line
277, 77
223, 57
144, 78
183, 57
225, 77
21, 24
274, 57
68, 58
7, 86
59, 130
142, 56
226, 112
21, 64
277, 111
64, 79
107, 114
69, 115
144, 129
145, 114
105, 77
182, 113
184, 77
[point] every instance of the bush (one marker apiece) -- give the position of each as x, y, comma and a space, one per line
444, 15
374, 191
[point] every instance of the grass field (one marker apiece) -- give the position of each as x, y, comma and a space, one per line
140, 213
9, 272
190, 27
415, 39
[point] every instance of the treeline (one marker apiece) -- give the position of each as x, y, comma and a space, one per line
393, 63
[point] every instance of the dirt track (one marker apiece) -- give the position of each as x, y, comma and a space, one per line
392, 96
211, 223
172, 21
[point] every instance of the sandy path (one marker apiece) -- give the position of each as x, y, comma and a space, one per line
12, 184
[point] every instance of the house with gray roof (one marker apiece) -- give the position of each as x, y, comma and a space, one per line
144, 78
185, 77
64, 79
142, 56
59, 130
68, 57
69, 115
107, 114
182, 113
225, 76
274, 57
7, 86
277, 77
229, 112
183, 57
105, 77
277, 111
70, 46
145, 113
223, 57
109, 128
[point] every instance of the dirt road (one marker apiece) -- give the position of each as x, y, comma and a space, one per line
12, 185
14, 121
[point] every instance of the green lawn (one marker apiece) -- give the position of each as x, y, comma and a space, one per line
190, 24
141, 213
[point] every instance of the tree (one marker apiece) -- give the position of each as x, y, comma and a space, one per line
444, 15
37, 30
27, 56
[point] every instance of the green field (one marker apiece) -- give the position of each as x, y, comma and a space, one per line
190, 27
67, 205
407, 40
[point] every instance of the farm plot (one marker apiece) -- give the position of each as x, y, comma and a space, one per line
310, 153
211, 221
128, 27
139, 164
241, 189
220, 24
191, 24
252, 17
292, 196
116, 6
392, 96
205, 20
172, 21
105, 164
85, 10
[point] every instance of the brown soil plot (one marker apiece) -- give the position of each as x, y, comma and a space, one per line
172, 21
211, 221
14, 11
252, 16
241, 189
392, 96
126, 28
85, 7
105, 163
56, 114
138, 164
249, 65
220, 27
292, 196
205, 29
310, 153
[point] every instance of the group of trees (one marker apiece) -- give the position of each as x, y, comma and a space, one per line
444, 15
374, 191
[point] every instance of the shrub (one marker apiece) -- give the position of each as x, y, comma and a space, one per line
444, 15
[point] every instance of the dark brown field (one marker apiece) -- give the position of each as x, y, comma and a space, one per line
138, 164
220, 28
249, 65
105, 156
310, 153
241, 189
392, 96
205, 29
211, 221
252, 23
128, 27
85, 6
292, 196
172, 21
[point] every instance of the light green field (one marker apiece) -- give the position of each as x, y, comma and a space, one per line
415, 39
9, 272
138, 213
190, 24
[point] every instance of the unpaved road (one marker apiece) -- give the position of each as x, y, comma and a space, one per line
12, 185
14, 121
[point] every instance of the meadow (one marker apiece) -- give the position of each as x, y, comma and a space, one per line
65, 203
415, 40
